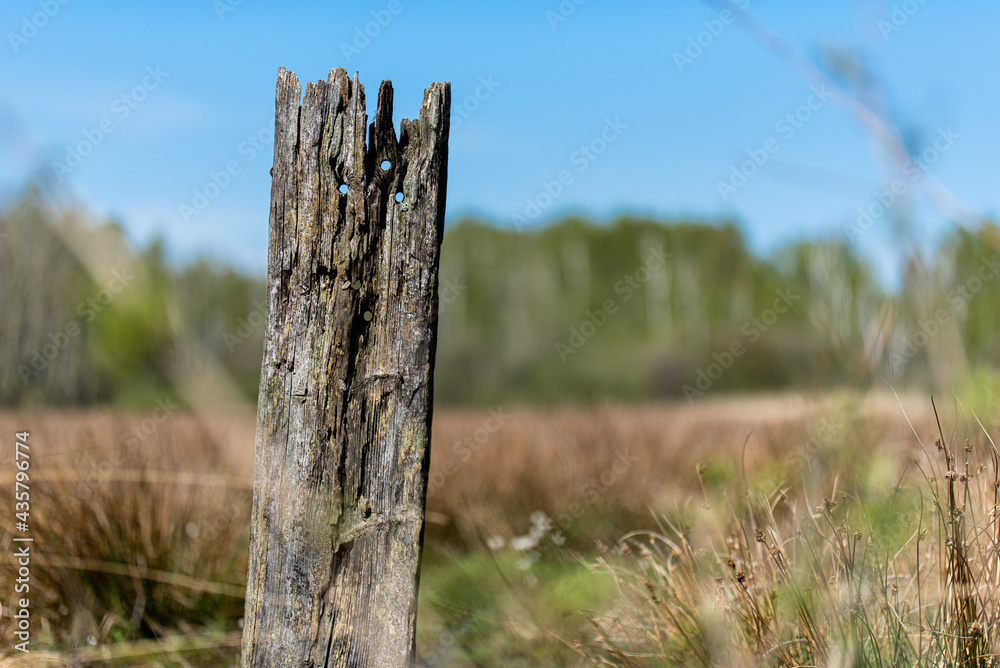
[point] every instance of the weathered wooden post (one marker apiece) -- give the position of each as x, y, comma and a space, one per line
344, 415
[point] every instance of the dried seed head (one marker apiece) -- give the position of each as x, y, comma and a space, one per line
651, 590
731, 563
968, 446
759, 535
741, 577
857, 535
940, 446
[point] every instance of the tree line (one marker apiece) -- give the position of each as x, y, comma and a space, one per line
577, 310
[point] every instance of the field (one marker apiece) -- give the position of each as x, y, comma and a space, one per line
536, 551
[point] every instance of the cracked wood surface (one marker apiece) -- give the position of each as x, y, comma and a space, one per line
343, 423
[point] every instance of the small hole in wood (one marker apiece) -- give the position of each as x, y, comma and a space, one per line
385, 164
343, 188
399, 196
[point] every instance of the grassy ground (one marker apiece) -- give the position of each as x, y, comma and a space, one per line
140, 534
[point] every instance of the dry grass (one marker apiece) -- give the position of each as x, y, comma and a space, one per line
141, 535
139, 526
566, 463
901, 570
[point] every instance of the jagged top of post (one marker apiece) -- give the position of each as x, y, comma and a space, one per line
437, 95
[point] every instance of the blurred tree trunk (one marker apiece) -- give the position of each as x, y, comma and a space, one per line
44, 356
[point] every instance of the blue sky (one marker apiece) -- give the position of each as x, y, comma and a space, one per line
672, 131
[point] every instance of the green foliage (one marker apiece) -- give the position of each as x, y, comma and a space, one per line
87, 320
132, 337
581, 311
493, 609
574, 312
